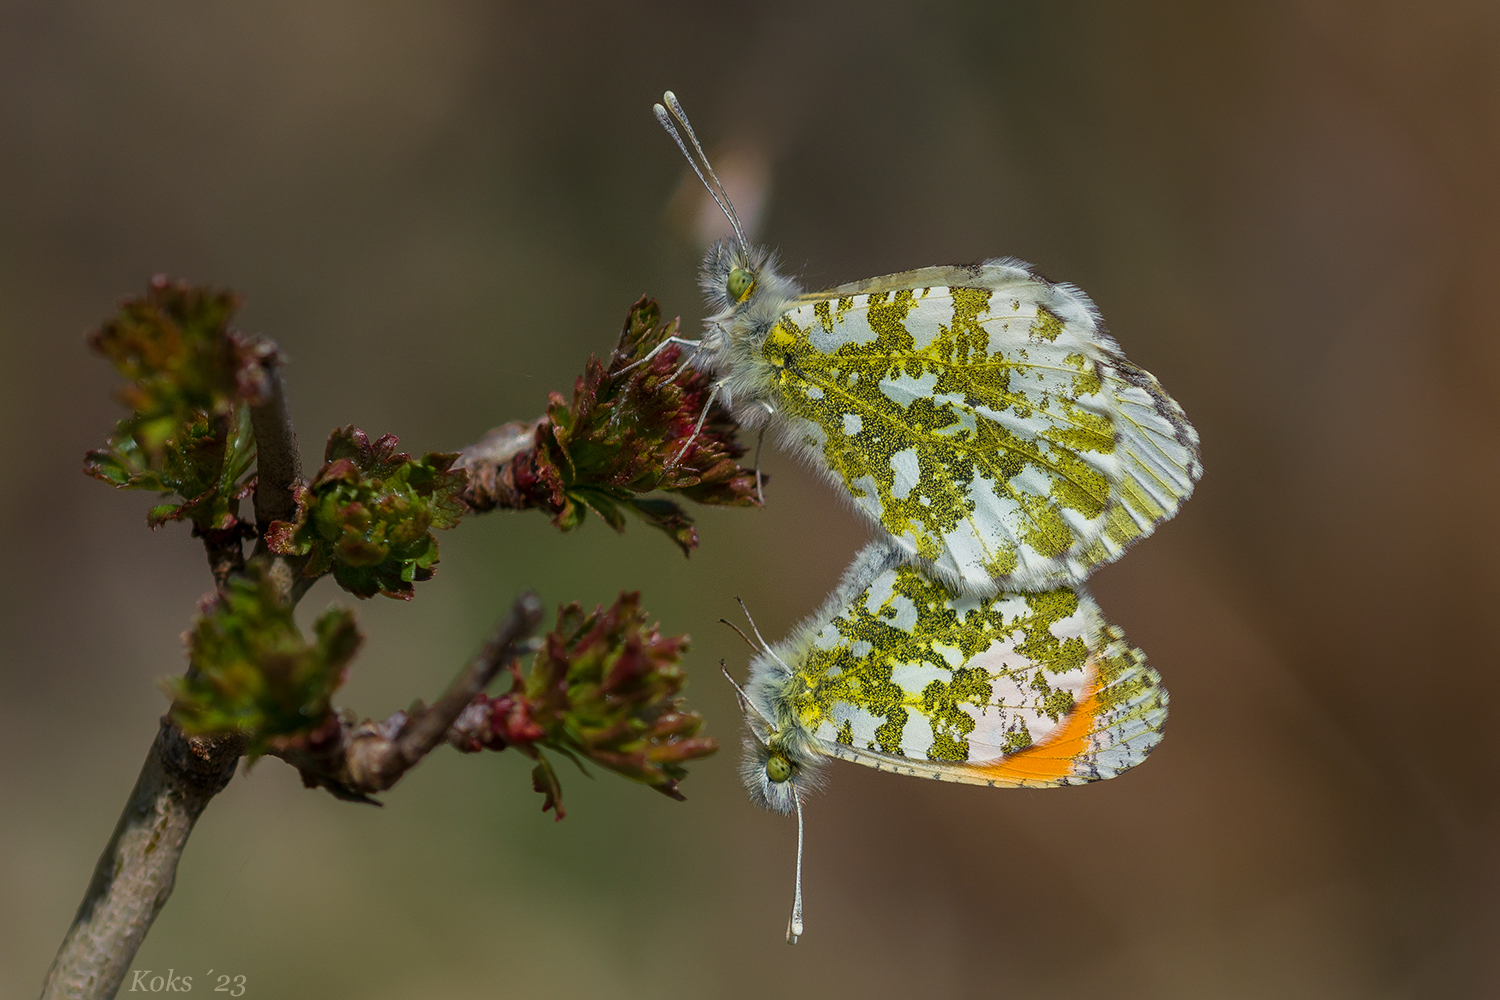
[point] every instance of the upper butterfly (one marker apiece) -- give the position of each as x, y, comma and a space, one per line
980, 414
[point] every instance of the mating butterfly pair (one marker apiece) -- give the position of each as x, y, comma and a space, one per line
983, 419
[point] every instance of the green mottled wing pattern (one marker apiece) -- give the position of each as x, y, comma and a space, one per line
984, 419
1019, 689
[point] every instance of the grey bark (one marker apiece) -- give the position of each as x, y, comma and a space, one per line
134, 876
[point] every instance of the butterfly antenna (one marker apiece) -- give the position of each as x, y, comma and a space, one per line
748, 617
742, 635
716, 189
794, 925
739, 691
745, 702
681, 116
765, 646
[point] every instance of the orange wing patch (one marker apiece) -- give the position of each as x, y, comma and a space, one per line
1112, 729
1053, 760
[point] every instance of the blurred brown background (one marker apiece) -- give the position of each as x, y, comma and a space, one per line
1289, 211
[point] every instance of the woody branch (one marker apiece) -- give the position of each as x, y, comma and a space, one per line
136, 872
208, 404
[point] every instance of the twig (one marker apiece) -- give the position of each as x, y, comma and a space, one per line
355, 761
133, 879
491, 463
134, 876
225, 548
278, 468
428, 727
278, 464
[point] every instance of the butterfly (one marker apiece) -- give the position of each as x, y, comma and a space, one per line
980, 415
896, 672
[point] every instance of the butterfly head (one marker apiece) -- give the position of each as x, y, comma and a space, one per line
780, 765
731, 275
736, 281
781, 761
776, 774
739, 284
744, 290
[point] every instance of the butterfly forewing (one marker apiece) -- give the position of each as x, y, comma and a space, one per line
1013, 689
984, 419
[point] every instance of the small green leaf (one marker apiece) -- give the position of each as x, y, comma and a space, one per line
252, 671
633, 428
191, 381
205, 466
605, 687
175, 347
602, 504
368, 515
667, 516
544, 780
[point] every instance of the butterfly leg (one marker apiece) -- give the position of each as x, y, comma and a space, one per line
760, 486
760, 492
698, 427
681, 341
687, 363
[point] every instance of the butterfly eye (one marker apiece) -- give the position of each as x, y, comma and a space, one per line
778, 769
740, 283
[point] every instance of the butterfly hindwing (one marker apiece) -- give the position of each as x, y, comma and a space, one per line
1013, 689
1112, 729
984, 419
